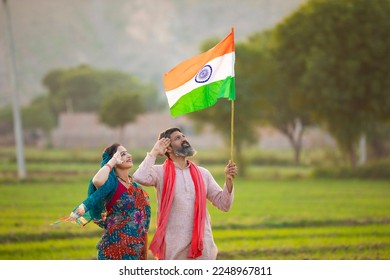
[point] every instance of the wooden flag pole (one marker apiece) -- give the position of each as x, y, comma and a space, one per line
232, 133
232, 122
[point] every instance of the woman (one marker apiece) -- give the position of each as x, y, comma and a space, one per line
119, 205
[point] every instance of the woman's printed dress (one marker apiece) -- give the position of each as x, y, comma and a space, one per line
126, 226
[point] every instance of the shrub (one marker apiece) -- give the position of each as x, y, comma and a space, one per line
372, 170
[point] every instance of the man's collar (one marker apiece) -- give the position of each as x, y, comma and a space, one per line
186, 166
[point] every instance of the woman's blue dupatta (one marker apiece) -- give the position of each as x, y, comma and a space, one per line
95, 204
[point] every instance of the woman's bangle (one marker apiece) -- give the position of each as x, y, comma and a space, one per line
109, 166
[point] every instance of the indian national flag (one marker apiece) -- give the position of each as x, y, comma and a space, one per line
198, 82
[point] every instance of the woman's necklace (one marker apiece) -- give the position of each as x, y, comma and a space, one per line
124, 181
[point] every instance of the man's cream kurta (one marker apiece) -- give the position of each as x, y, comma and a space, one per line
181, 217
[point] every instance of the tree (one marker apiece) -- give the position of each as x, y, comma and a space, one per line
119, 109
52, 81
6, 118
83, 88
378, 140
334, 56
275, 104
114, 81
37, 115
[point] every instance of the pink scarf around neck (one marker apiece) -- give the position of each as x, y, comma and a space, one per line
157, 246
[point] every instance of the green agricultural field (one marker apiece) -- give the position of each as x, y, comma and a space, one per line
278, 213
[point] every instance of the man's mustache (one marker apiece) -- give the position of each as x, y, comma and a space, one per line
185, 144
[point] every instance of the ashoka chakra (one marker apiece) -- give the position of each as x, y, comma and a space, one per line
204, 74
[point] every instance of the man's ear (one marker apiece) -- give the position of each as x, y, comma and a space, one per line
169, 149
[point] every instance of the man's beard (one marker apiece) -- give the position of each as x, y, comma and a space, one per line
185, 150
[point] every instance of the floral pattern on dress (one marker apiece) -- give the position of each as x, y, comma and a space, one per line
126, 227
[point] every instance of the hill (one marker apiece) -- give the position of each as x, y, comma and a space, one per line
143, 37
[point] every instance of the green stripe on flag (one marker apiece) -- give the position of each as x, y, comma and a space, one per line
204, 96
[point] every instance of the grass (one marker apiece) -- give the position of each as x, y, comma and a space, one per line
341, 242
279, 212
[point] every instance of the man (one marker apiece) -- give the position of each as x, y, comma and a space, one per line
183, 225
